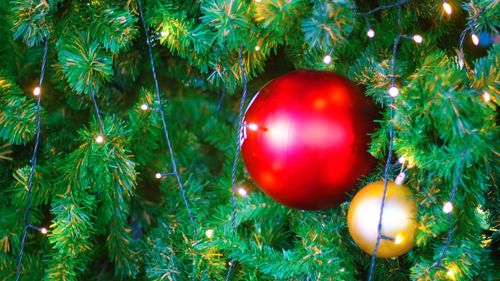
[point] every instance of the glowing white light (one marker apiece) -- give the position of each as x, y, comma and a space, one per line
448, 207
209, 233
327, 59
475, 39
242, 191
43, 230
447, 8
401, 159
393, 92
258, 1
99, 139
37, 91
370, 33
486, 97
144, 106
398, 239
400, 179
253, 127
417, 38
164, 33
257, 48
158, 175
450, 273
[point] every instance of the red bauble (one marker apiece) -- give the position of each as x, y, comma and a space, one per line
305, 138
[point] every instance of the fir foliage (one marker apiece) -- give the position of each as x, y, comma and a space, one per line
109, 218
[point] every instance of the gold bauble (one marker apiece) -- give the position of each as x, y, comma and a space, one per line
399, 221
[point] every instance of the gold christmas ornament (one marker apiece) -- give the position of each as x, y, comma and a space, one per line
399, 221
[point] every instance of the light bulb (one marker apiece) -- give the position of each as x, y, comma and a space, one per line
448, 207
144, 107
447, 8
209, 233
400, 178
242, 191
327, 59
417, 38
393, 92
43, 230
486, 97
253, 127
475, 39
370, 33
37, 91
164, 33
257, 48
398, 239
158, 175
99, 139
401, 159
451, 273
258, 1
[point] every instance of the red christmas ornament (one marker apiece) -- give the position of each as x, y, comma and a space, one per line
305, 138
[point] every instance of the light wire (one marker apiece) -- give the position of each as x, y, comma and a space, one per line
33, 165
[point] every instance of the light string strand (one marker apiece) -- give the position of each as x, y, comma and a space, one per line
96, 108
383, 7
390, 149
237, 152
164, 122
165, 130
33, 164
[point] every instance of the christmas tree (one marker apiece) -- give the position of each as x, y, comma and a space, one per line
120, 124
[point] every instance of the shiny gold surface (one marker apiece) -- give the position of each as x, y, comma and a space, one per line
399, 220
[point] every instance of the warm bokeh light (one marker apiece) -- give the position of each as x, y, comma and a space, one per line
448, 207
393, 92
209, 233
99, 139
475, 39
370, 33
417, 38
447, 8
243, 192
327, 59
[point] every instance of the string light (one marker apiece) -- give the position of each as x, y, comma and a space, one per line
417, 38
486, 97
242, 192
164, 33
253, 127
451, 273
43, 230
257, 48
327, 59
99, 139
370, 33
393, 92
447, 7
400, 178
447, 207
401, 159
475, 39
144, 107
209, 233
158, 175
36, 91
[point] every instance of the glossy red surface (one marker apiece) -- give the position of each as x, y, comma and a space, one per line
306, 136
